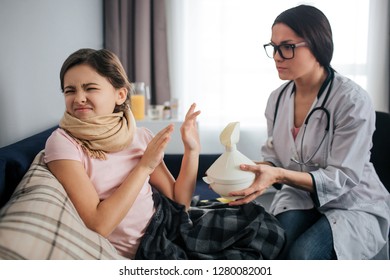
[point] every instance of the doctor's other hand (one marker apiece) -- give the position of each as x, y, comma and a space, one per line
265, 176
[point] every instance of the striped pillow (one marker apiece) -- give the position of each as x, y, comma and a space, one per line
40, 222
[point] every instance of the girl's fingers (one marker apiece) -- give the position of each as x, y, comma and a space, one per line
191, 114
164, 132
191, 109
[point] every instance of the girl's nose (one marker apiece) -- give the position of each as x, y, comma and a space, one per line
80, 97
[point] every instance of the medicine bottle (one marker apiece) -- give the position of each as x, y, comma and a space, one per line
167, 111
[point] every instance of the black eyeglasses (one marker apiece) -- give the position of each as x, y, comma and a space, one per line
286, 51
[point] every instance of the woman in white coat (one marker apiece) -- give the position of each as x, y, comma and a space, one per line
331, 203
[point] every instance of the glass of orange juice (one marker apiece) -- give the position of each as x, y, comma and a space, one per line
138, 101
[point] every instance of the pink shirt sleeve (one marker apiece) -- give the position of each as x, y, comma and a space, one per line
62, 146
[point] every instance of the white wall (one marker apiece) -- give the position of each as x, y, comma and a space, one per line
36, 37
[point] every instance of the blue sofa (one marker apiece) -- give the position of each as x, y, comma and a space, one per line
15, 160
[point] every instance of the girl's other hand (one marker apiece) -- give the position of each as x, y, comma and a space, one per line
189, 130
154, 152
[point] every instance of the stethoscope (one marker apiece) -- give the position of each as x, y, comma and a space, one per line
328, 81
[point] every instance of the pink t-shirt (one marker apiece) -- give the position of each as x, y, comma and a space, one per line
106, 176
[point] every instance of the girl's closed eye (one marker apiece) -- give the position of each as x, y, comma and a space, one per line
68, 91
92, 89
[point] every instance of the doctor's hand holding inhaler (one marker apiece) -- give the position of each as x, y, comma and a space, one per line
320, 126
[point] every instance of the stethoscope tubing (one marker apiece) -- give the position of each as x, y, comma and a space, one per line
328, 81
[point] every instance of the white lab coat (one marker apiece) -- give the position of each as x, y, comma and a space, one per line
348, 190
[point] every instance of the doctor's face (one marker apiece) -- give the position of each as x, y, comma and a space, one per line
302, 62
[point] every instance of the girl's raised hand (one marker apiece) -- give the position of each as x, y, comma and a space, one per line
189, 130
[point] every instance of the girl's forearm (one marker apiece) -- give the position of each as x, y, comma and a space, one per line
186, 180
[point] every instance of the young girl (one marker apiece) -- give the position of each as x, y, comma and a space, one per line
107, 166
105, 163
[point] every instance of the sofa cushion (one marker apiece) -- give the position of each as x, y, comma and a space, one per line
40, 222
15, 159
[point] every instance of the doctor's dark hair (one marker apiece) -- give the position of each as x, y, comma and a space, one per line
313, 26
107, 64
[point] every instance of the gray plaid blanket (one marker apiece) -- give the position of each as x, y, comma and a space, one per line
211, 230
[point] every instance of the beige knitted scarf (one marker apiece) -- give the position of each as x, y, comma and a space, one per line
102, 134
